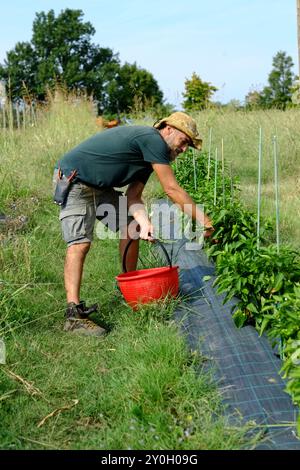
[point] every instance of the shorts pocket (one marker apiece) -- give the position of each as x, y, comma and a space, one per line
72, 211
73, 223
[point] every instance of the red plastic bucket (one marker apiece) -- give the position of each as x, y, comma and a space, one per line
147, 285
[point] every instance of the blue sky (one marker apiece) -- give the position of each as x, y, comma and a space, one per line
229, 43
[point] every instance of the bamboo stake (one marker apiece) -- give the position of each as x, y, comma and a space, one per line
275, 154
32, 113
195, 175
259, 184
3, 118
24, 116
10, 117
18, 116
216, 176
209, 153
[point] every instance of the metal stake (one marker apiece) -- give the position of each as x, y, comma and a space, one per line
195, 176
216, 177
223, 173
231, 182
259, 184
209, 153
276, 189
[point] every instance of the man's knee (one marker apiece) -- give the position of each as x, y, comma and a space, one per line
81, 249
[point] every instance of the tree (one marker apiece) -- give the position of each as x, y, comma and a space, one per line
61, 51
253, 99
197, 94
132, 87
63, 46
279, 91
234, 105
20, 70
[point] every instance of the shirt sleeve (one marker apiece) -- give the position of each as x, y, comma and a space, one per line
153, 147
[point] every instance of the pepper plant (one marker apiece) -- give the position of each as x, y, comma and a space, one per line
265, 283
256, 278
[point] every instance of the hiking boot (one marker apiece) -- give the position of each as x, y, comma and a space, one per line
80, 310
77, 322
83, 327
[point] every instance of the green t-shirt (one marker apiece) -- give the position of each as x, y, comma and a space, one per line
117, 157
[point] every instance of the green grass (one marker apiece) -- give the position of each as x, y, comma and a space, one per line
28, 156
135, 388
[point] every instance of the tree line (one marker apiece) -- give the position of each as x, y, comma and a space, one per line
61, 52
281, 92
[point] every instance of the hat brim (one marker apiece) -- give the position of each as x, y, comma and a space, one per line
196, 142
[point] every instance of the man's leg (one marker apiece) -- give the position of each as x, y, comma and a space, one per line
74, 261
77, 220
133, 252
76, 313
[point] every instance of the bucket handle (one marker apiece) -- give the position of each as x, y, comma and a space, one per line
154, 241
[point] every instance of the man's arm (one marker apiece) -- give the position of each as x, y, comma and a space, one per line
137, 209
178, 195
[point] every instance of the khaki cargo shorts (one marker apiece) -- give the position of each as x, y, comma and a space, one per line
86, 204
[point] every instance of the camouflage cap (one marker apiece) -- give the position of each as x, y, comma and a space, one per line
184, 123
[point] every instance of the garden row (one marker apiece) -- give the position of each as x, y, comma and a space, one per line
264, 279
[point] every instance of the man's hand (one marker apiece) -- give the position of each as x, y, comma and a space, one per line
146, 231
138, 211
208, 231
146, 228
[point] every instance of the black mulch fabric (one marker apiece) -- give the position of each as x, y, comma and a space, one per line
244, 364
